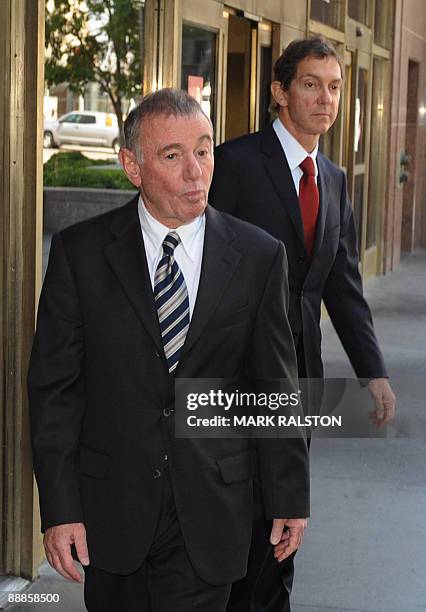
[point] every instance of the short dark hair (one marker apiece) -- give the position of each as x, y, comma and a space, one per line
285, 68
167, 101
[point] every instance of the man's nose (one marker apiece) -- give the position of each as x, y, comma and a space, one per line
325, 96
192, 169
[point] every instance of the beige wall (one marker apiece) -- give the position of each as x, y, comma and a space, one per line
409, 44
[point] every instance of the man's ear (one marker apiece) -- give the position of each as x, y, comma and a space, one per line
278, 93
130, 166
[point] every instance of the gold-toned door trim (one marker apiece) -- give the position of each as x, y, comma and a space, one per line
21, 196
326, 31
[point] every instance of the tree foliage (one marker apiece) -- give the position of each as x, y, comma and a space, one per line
95, 41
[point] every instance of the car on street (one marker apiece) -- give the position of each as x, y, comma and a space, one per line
83, 128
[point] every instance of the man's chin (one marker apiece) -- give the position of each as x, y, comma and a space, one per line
193, 210
325, 125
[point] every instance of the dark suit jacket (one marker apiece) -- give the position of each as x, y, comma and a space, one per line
252, 180
100, 394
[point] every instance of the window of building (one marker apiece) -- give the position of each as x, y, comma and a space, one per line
329, 12
358, 10
265, 85
358, 204
329, 142
199, 66
378, 162
346, 111
383, 23
360, 116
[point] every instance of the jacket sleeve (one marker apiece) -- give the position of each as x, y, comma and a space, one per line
345, 302
56, 393
283, 463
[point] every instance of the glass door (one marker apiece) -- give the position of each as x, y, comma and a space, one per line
378, 166
203, 46
239, 87
357, 140
249, 72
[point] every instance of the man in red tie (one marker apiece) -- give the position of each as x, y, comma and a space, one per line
277, 179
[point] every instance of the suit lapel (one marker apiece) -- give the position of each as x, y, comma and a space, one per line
218, 266
278, 169
323, 186
126, 256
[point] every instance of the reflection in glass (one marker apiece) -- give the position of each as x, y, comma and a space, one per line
383, 23
328, 12
357, 9
347, 110
358, 206
378, 163
198, 66
265, 85
360, 108
329, 142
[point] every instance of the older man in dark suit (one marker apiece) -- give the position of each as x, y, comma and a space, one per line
278, 180
164, 287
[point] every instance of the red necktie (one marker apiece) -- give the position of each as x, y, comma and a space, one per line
309, 202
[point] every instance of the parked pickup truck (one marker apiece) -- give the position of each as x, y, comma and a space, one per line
83, 128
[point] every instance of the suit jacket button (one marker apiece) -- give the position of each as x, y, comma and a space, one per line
167, 412
156, 474
301, 258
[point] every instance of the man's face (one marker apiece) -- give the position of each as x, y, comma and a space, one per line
176, 170
311, 104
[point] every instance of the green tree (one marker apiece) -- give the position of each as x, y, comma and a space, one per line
95, 41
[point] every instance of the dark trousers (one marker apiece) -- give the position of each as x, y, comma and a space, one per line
165, 582
267, 585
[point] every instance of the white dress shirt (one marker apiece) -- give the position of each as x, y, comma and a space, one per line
294, 153
188, 253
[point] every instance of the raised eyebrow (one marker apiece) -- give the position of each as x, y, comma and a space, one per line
310, 76
205, 137
173, 145
318, 78
177, 145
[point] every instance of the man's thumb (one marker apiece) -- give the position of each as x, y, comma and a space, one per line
81, 547
277, 530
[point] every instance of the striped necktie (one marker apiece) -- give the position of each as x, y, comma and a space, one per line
171, 299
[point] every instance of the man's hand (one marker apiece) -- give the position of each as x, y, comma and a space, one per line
57, 544
288, 541
384, 400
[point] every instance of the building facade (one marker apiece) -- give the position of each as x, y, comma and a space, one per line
223, 53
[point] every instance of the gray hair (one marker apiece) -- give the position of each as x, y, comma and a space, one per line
165, 102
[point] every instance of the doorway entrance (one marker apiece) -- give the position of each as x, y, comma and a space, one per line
248, 74
241, 32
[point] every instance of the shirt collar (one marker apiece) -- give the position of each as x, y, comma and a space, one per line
293, 150
156, 232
